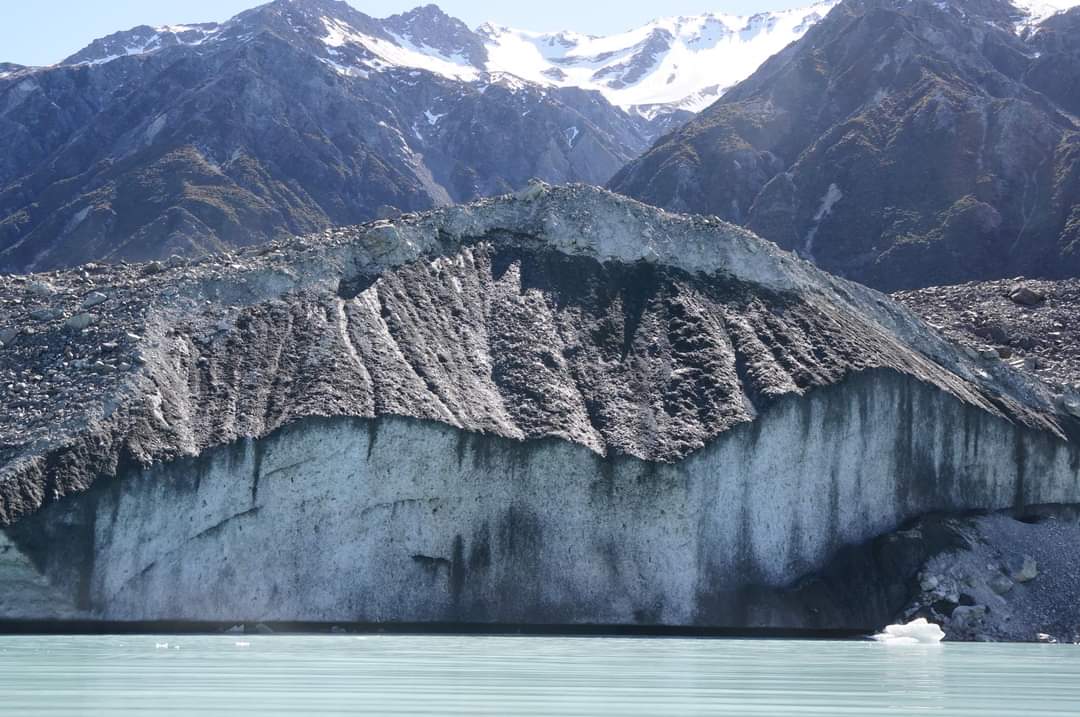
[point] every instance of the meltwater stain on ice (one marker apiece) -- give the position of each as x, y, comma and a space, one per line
916, 632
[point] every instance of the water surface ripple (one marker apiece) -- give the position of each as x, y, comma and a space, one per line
471, 675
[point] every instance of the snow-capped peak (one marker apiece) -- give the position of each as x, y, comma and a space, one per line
141, 40
8, 69
394, 51
678, 61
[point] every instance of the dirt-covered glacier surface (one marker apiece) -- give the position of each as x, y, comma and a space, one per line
558, 407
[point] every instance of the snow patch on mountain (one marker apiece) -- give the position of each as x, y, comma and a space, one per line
345, 70
184, 29
1039, 10
397, 53
10, 69
142, 40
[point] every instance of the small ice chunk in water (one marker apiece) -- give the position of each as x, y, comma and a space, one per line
243, 644
161, 646
916, 632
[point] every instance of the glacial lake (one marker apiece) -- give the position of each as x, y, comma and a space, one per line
467, 675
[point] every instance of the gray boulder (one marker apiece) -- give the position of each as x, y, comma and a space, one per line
78, 322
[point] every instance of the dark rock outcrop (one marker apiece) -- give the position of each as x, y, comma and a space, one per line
998, 577
558, 407
901, 144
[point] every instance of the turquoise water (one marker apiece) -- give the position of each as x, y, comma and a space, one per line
398, 675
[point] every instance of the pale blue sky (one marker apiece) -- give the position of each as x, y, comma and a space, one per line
41, 32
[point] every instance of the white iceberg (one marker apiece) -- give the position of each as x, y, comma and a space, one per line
916, 632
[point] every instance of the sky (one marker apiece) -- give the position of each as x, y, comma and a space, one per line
42, 32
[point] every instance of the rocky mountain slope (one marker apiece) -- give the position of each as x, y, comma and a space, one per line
611, 413
901, 144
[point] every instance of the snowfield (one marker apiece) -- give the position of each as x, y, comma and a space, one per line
686, 62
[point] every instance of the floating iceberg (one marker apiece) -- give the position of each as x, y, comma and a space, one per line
916, 632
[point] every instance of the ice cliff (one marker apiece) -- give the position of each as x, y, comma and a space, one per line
556, 407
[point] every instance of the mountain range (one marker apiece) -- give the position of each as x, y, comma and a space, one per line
303, 114
672, 63
899, 143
